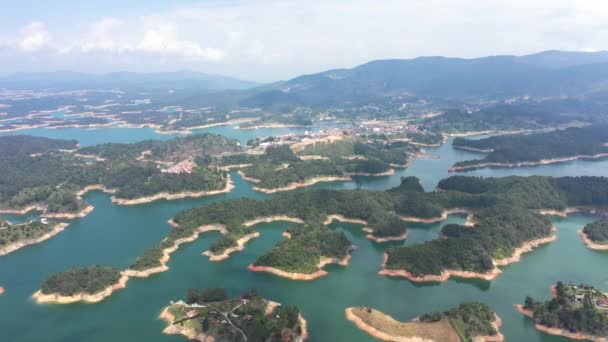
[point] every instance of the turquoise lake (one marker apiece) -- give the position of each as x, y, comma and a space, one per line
115, 235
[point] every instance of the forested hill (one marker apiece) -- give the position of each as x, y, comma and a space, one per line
551, 73
571, 142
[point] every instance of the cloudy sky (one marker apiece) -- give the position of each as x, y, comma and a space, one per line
268, 40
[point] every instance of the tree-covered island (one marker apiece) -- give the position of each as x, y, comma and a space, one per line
577, 312
89, 284
209, 313
470, 321
595, 235
536, 148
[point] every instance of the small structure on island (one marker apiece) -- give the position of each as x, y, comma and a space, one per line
191, 313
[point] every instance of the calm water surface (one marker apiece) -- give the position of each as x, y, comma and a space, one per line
115, 235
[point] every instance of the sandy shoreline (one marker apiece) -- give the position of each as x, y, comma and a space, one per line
240, 245
387, 238
341, 218
367, 174
174, 329
527, 163
304, 276
293, 186
473, 149
525, 248
169, 250
499, 337
491, 275
443, 217
590, 243
248, 179
390, 321
270, 125
167, 196
447, 274
350, 315
269, 219
59, 227
558, 331
55, 298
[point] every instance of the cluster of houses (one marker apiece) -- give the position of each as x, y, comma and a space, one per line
185, 166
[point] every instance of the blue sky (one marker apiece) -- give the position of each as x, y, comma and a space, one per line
267, 40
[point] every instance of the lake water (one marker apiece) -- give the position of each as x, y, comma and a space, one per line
115, 235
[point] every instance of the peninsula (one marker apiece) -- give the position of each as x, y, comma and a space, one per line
16, 236
577, 312
469, 321
209, 315
537, 148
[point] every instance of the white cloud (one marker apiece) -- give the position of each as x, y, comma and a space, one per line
33, 37
164, 40
267, 39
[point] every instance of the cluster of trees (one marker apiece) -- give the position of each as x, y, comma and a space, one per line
569, 142
173, 150
302, 253
282, 321
206, 295
313, 206
10, 233
25, 145
563, 311
470, 319
504, 220
597, 231
522, 115
34, 171
89, 280
149, 259
498, 231
280, 166
503, 214
427, 138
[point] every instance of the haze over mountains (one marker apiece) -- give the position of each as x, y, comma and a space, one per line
549, 73
545, 74
184, 79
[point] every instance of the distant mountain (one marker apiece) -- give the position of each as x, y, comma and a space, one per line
550, 73
141, 81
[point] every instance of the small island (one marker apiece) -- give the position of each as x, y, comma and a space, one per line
90, 285
595, 235
535, 149
17, 236
208, 315
577, 312
303, 255
469, 321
